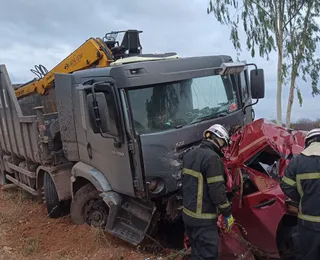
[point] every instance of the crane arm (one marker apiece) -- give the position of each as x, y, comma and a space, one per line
92, 52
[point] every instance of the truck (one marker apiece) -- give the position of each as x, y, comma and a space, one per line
110, 156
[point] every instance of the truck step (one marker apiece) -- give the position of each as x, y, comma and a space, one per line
130, 220
127, 233
135, 208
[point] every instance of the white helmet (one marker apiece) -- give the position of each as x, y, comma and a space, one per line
219, 131
311, 135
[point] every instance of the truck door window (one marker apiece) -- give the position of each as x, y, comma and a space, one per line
114, 121
166, 106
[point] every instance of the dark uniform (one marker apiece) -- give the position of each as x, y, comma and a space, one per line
301, 183
203, 192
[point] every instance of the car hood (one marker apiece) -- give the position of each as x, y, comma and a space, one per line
253, 137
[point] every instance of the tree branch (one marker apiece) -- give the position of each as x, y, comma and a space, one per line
294, 15
237, 11
292, 40
305, 32
276, 28
258, 5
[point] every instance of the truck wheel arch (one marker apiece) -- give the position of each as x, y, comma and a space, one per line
61, 176
83, 173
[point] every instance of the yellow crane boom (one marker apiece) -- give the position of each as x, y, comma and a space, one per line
95, 52
92, 52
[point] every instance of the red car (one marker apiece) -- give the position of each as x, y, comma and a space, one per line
255, 163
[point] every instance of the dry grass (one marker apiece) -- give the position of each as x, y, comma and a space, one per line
30, 246
14, 214
100, 236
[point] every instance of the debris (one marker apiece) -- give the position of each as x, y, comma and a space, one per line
7, 249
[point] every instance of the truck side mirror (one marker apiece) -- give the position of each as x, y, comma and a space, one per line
257, 83
98, 112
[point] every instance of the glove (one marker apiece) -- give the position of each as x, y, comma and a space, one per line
229, 221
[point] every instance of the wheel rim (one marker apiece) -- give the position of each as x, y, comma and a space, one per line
96, 213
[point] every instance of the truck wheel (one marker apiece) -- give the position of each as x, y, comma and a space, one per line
88, 207
54, 206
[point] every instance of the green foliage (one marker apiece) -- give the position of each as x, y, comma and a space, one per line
257, 20
299, 96
302, 37
287, 26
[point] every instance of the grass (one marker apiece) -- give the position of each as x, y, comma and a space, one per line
100, 236
16, 194
30, 246
11, 216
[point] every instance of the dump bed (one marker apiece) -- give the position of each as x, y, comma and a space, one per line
19, 136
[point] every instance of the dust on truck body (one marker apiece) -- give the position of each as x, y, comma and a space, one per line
111, 154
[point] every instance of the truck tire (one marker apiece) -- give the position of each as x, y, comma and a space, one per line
88, 207
54, 206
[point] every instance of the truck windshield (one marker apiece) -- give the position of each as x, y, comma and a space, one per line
172, 105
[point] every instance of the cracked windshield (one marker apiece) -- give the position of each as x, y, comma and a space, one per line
173, 105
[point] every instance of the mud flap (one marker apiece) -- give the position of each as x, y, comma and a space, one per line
129, 218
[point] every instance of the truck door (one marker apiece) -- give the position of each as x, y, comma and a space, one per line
246, 96
107, 152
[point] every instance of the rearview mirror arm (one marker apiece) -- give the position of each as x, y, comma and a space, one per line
252, 64
250, 105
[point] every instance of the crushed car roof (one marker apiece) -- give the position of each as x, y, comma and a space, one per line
252, 138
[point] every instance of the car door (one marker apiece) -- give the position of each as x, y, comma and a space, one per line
260, 210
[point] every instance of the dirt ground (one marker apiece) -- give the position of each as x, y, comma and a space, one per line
26, 232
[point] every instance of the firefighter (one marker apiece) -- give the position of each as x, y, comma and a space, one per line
204, 193
301, 183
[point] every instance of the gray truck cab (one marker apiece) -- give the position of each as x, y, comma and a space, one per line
126, 128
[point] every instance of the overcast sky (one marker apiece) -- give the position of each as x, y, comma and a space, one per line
44, 32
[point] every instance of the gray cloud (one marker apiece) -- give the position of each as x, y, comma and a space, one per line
47, 31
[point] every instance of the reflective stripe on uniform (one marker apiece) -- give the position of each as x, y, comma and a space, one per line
199, 176
198, 213
300, 177
309, 218
224, 205
288, 181
215, 179
308, 176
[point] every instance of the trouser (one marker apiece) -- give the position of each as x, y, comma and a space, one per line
309, 243
204, 242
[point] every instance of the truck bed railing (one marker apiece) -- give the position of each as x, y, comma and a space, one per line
18, 133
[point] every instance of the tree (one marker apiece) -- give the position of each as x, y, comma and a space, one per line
301, 45
266, 26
